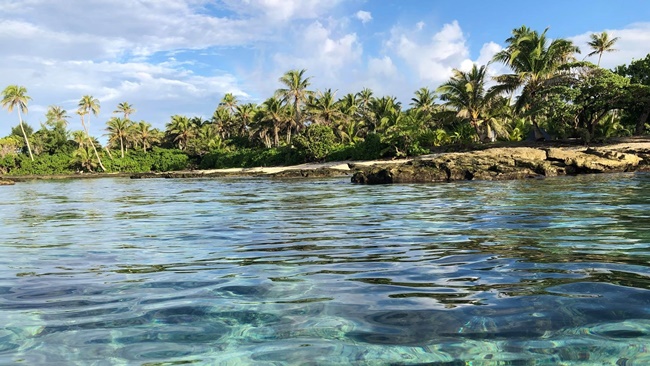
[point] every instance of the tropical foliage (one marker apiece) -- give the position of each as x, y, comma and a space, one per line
546, 93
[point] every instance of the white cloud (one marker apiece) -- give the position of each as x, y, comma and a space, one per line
632, 44
382, 67
364, 16
322, 53
431, 59
282, 10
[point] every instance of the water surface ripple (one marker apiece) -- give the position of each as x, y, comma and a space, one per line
261, 271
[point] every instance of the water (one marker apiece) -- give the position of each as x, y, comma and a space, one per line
262, 271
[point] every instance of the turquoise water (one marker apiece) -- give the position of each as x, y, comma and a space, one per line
261, 271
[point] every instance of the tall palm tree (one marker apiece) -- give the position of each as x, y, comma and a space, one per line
466, 92
119, 130
15, 96
87, 105
537, 63
126, 109
57, 115
601, 43
295, 92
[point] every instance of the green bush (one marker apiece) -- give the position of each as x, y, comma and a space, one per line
247, 158
316, 143
42, 165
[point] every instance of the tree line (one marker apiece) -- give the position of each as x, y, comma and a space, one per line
547, 94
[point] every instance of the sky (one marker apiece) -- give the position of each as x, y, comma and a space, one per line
168, 57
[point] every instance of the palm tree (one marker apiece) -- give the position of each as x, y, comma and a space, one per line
536, 64
57, 115
424, 100
601, 43
79, 137
229, 102
15, 96
466, 93
126, 109
323, 108
382, 113
273, 116
295, 92
181, 129
143, 134
83, 158
118, 130
87, 105
244, 114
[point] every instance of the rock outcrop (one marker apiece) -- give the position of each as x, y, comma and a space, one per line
6, 182
507, 163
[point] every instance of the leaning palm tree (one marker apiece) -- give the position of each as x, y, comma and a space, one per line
119, 130
466, 92
295, 92
15, 96
601, 43
87, 105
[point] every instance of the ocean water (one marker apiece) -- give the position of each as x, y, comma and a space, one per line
323, 272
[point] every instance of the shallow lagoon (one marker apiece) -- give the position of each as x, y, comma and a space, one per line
261, 271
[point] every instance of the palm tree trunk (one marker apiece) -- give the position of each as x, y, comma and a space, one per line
600, 55
29, 148
122, 146
92, 143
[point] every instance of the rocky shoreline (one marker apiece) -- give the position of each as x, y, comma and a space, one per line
506, 162
510, 163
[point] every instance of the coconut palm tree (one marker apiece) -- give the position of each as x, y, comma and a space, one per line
382, 113
144, 135
245, 114
82, 157
424, 100
229, 102
295, 93
601, 43
181, 129
87, 105
57, 115
273, 117
119, 130
466, 93
15, 96
126, 109
537, 63
323, 108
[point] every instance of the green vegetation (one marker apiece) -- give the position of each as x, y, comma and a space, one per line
547, 94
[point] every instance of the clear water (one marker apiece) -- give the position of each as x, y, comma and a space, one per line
259, 271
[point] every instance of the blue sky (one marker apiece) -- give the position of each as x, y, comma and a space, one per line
181, 56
